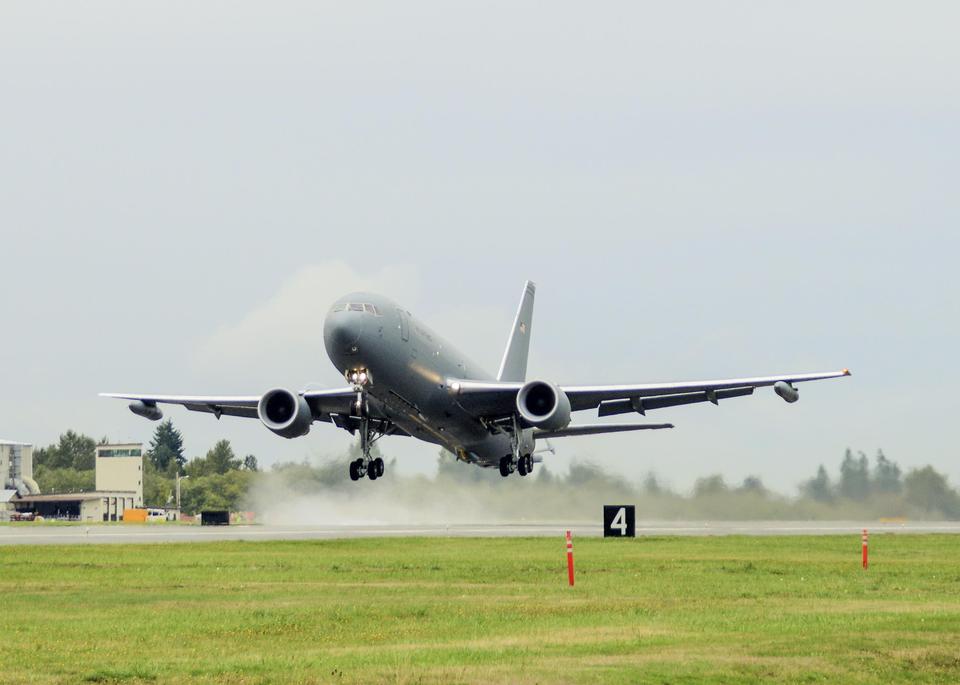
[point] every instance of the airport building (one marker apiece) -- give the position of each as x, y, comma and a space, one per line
119, 486
16, 475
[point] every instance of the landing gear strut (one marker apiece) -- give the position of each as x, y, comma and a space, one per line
366, 465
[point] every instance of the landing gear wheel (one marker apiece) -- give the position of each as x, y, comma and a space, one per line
379, 466
522, 466
505, 469
372, 472
355, 470
528, 460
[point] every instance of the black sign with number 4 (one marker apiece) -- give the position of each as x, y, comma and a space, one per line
619, 521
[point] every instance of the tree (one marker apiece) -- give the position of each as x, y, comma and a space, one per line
711, 485
752, 484
221, 458
652, 485
216, 491
166, 448
886, 475
250, 463
57, 480
854, 476
158, 487
73, 451
818, 488
928, 490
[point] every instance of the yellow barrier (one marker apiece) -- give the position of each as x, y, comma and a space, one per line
135, 515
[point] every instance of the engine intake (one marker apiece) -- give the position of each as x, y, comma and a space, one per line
285, 413
543, 405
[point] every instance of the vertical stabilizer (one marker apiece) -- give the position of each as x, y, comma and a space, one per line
513, 367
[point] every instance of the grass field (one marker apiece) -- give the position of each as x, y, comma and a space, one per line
664, 610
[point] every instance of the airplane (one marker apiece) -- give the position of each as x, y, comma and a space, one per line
405, 380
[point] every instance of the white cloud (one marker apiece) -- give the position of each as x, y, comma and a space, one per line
282, 338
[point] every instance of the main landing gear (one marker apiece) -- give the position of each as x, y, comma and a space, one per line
523, 465
372, 468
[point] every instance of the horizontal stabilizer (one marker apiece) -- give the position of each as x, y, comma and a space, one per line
595, 428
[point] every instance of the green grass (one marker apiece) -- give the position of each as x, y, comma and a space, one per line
660, 610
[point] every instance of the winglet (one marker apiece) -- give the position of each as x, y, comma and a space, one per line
513, 366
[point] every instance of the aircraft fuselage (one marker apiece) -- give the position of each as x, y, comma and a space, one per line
409, 366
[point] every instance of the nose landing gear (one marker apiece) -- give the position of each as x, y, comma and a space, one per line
372, 467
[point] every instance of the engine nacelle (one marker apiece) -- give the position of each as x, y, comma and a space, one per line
285, 413
786, 391
543, 405
148, 411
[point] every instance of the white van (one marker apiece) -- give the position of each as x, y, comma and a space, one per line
156, 514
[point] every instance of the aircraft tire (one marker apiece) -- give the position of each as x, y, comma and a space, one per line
522, 466
353, 471
505, 467
378, 466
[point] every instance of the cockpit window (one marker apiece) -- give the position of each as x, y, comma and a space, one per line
357, 307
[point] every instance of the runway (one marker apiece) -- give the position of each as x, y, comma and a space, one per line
40, 534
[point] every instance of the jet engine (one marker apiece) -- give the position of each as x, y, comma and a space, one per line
285, 413
786, 391
146, 410
543, 405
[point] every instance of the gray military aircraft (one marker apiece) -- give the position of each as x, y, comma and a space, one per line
404, 379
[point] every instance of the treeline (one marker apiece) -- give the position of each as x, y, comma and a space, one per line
217, 480
859, 488
462, 492
885, 485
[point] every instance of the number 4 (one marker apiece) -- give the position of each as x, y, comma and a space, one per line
620, 521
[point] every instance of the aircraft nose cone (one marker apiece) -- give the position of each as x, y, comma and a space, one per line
342, 332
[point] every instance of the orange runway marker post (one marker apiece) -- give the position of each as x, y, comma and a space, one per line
863, 541
570, 558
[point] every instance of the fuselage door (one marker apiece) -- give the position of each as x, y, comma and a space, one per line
404, 326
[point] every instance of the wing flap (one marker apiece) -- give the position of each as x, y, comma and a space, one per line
596, 428
224, 410
642, 405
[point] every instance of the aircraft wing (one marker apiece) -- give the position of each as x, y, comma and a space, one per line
229, 405
492, 399
323, 403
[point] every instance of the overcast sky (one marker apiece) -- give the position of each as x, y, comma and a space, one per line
700, 190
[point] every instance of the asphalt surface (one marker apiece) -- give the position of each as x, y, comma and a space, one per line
40, 534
